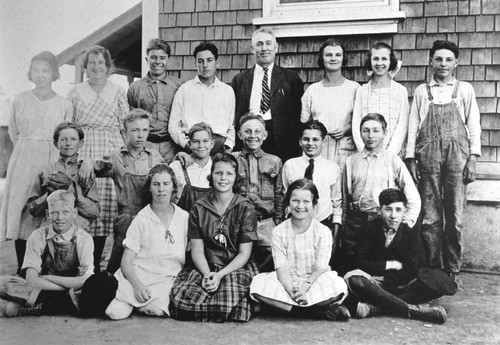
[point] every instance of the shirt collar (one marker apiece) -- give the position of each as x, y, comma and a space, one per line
433, 82
124, 149
365, 153
72, 160
257, 154
152, 80
216, 82
307, 158
68, 235
260, 69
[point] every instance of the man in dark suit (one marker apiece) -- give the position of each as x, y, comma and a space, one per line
274, 93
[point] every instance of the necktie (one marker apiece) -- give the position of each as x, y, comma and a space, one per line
265, 101
389, 236
309, 170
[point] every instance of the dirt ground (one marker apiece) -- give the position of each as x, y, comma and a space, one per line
473, 318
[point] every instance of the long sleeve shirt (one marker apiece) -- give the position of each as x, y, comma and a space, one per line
86, 194
195, 102
262, 182
156, 97
467, 107
326, 177
367, 173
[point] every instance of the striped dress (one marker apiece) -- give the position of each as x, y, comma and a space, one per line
101, 118
301, 253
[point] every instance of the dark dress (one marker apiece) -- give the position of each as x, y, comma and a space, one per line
230, 302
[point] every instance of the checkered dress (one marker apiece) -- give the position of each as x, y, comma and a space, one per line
101, 117
189, 301
301, 253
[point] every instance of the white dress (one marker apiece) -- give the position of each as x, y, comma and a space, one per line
160, 256
302, 253
31, 127
332, 106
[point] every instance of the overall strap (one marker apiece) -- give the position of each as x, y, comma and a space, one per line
455, 90
150, 160
429, 94
186, 176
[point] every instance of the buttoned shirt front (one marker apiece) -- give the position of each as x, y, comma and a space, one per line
195, 102
155, 96
256, 96
326, 177
262, 182
372, 172
441, 93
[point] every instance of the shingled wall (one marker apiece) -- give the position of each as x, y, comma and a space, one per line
473, 24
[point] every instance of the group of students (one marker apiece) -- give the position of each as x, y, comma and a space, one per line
190, 238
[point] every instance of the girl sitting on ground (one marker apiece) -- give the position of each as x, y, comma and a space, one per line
222, 228
303, 284
154, 253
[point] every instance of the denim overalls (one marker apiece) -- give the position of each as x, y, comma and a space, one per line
442, 151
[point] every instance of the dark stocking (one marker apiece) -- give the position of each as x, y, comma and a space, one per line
371, 293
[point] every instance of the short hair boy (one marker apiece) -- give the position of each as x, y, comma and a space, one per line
324, 173
204, 99
155, 94
192, 180
59, 257
366, 174
387, 258
129, 168
444, 141
262, 184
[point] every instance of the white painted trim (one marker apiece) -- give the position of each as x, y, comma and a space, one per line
150, 27
333, 17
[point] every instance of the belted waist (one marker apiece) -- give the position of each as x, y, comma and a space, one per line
158, 138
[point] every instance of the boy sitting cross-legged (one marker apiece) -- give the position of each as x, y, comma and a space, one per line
58, 258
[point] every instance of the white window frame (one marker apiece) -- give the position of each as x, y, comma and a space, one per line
332, 17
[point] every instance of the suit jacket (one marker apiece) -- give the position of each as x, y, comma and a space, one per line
406, 247
286, 92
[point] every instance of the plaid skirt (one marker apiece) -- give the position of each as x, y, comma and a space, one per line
231, 302
108, 203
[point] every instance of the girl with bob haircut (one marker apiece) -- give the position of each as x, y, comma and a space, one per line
100, 107
33, 116
331, 101
385, 96
303, 284
155, 249
222, 228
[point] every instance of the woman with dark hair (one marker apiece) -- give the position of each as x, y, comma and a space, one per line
222, 228
100, 107
331, 101
33, 117
384, 96
303, 284
155, 249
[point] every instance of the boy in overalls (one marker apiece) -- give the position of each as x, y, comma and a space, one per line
192, 180
129, 168
366, 174
59, 257
444, 141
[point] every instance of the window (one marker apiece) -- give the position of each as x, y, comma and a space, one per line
298, 18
